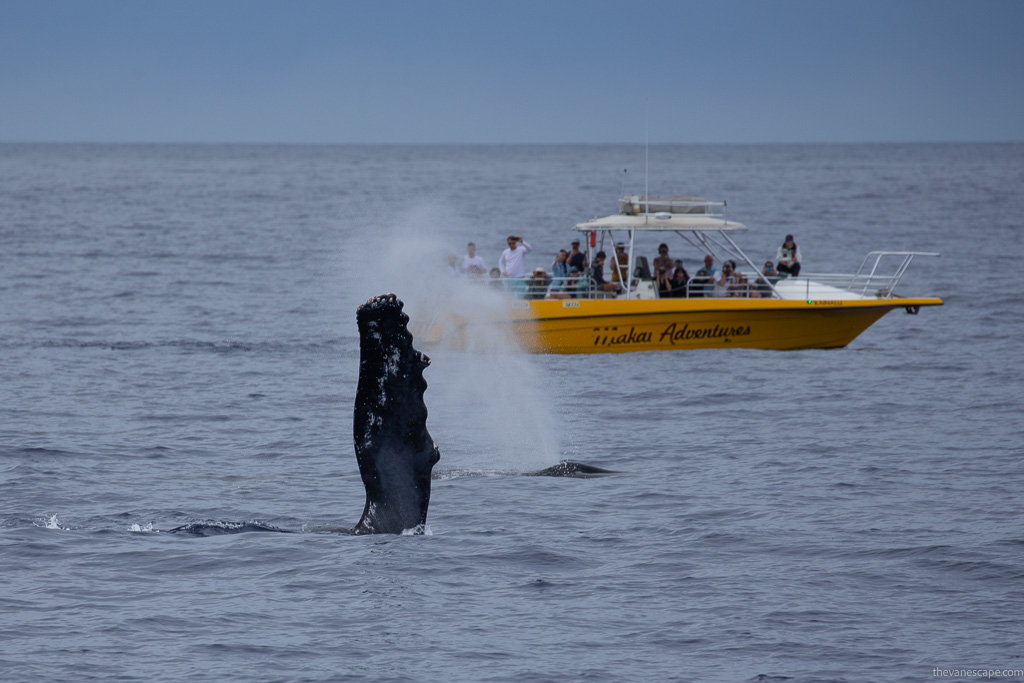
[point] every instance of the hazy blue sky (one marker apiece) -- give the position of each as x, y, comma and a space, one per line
518, 71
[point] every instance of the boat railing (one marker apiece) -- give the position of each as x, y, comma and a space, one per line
754, 287
549, 287
534, 287
871, 279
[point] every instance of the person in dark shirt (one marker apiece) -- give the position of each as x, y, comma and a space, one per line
597, 275
700, 285
677, 285
576, 257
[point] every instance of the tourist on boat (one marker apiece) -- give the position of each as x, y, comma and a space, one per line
663, 260
700, 285
677, 284
789, 258
724, 281
743, 288
621, 273
597, 275
573, 288
537, 286
662, 278
559, 270
512, 261
769, 276
453, 268
496, 282
576, 257
709, 265
472, 264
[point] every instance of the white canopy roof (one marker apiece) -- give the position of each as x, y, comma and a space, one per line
661, 222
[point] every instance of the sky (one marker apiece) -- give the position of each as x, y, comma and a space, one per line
521, 71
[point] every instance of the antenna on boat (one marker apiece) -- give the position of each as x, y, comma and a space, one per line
647, 161
622, 190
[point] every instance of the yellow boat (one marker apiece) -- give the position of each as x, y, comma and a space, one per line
805, 312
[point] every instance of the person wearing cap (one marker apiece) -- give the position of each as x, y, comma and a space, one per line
576, 257
537, 286
788, 258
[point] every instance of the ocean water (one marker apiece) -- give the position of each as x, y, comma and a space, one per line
178, 343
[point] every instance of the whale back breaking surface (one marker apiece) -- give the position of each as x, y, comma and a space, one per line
393, 448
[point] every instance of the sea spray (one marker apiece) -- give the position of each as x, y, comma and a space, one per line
489, 403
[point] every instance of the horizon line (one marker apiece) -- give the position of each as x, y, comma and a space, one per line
503, 144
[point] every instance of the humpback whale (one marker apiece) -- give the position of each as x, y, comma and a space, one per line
393, 447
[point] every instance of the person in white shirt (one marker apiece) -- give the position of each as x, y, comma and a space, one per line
471, 263
725, 281
513, 260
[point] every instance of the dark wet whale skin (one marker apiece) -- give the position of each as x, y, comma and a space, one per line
393, 448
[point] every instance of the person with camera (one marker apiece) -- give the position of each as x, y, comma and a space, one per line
725, 281
663, 260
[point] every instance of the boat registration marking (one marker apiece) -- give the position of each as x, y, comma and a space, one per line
827, 302
570, 304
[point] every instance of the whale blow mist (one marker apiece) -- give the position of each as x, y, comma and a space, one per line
494, 402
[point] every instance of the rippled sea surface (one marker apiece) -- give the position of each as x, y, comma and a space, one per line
178, 343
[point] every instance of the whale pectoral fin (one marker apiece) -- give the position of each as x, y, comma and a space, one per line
393, 447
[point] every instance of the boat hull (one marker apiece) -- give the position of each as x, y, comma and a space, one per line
617, 326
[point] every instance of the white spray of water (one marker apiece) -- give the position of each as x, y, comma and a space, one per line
53, 523
490, 407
